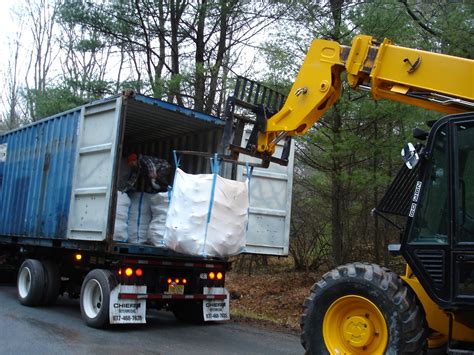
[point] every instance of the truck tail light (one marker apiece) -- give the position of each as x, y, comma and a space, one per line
129, 272
78, 257
185, 281
220, 275
212, 275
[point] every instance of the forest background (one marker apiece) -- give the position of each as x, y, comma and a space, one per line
63, 53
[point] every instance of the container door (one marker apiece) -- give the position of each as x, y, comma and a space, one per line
270, 205
93, 176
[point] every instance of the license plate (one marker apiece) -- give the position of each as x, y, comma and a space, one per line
176, 289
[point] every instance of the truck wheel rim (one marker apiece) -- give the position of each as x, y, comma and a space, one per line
354, 325
92, 298
24, 282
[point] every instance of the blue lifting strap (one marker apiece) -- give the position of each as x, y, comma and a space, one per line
215, 167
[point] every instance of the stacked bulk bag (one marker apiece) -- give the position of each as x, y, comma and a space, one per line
207, 216
121, 217
159, 208
139, 218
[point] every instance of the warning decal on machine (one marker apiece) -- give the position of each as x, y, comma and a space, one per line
3, 152
126, 311
216, 310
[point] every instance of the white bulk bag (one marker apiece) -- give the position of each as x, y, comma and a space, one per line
121, 217
139, 218
159, 208
194, 226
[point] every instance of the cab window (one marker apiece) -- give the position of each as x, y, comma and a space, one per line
430, 224
465, 177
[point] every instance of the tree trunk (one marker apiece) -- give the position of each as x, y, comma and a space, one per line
200, 80
375, 196
337, 197
176, 10
158, 88
225, 10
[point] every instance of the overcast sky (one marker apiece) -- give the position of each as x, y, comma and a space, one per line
8, 28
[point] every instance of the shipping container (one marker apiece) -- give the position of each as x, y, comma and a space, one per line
59, 179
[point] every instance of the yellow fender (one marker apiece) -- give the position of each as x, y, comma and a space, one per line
437, 319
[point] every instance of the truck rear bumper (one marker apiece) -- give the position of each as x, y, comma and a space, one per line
163, 296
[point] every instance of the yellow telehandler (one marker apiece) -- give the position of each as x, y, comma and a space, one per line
363, 308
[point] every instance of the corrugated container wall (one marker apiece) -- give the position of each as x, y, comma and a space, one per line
36, 172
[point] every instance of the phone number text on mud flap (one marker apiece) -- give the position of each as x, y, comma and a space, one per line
127, 318
216, 315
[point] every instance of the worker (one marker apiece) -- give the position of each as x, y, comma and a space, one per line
157, 170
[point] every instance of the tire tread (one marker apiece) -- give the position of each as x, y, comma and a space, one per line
414, 323
35, 296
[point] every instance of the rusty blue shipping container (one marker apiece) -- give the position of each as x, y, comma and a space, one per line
59, 177
36, 172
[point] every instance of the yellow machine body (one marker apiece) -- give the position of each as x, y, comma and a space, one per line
429, 80
438, 319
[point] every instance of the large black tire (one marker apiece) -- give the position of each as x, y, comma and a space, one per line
403, 316
95, 297
52, 282
188, 311
31, 283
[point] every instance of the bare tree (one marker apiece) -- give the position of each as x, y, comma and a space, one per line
11, 117
41, 17
85, 62
179, 47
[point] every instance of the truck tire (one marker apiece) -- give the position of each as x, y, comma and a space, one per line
95, 297
362, 309
188, 311
52, 282
31, 283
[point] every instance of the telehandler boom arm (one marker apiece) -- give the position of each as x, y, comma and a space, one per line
430, 80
